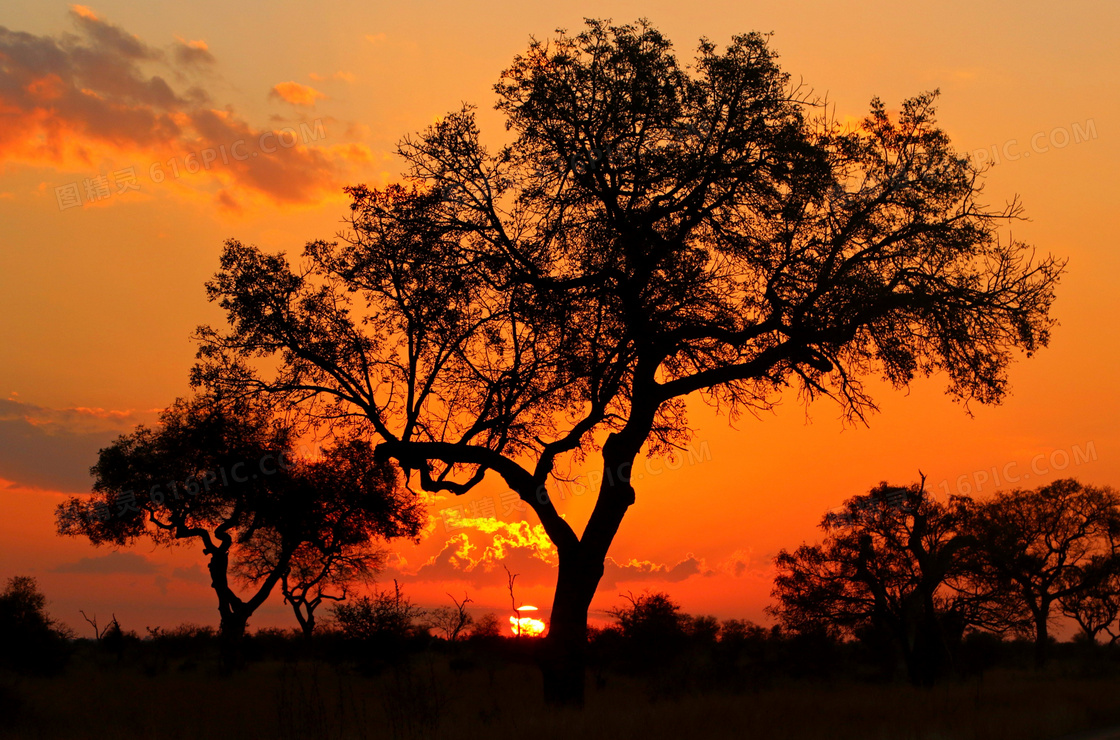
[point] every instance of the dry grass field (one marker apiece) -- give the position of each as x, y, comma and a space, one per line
435, 696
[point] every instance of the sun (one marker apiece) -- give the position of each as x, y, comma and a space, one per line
526, 626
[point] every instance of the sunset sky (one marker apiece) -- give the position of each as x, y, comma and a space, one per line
135, 138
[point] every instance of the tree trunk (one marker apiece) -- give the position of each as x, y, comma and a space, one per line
231, 634
307, 624
564, 658
1042, 636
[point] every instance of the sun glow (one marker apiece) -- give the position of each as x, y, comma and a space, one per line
526, 626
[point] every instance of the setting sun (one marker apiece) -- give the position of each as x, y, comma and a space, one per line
526, 626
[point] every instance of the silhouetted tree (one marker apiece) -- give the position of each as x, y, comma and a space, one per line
31, 641
654, 627
381, 623
893, 564
488, 626
224, 474
362, 505
451, 622
653, 231
1044, 546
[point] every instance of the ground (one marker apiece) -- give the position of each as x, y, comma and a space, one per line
440, 695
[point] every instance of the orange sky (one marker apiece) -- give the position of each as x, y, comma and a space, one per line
98, 299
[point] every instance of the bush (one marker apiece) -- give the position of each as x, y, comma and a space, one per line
486, 627
385, 614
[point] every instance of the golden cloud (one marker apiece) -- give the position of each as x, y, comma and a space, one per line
72, 100
296, 94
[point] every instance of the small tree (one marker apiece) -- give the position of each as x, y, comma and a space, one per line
363, 504
488, 626
31, 641
1046, 546
383, 616
224, 475
451, 622
652, 621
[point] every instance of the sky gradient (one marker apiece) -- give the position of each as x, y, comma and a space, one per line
179, 126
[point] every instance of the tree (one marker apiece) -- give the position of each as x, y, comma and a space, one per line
362, 504
894, 564
451, 622
1046, 546
650, 619
31, 641
486, 627
223, 474
653, 231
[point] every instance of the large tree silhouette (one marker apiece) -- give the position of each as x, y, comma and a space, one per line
224, 475
652, 231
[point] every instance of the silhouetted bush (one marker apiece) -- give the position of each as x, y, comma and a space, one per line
381, 628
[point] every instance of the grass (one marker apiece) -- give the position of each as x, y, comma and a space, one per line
436, 696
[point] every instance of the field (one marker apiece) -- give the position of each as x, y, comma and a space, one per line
469, 693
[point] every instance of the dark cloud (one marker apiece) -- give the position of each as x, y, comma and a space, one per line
54, 448
110, 37
644, 570
194, 574
193, 53
113, 562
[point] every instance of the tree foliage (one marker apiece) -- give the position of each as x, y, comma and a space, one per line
31, 641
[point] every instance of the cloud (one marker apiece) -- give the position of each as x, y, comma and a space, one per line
645, 570
189, 53
296, 94
54, 448
76, 99
375, 38
112, 563
478, 548
194, 574
477, 553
